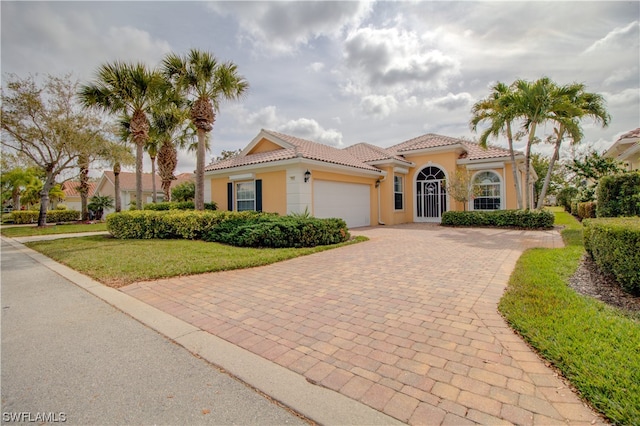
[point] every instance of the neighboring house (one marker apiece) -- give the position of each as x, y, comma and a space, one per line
363, 184
72, 197
106, 186
627, 149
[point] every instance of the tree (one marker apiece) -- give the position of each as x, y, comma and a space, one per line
99, 203
118, 154
227, 154
586, 105
460, 187
45, 125
205, 82
498, 110
184, 192
130, 90
14, 182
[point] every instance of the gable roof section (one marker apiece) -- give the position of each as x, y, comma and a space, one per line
292, 147
70, 188
626, 145
374, 154
128, 180
472, 151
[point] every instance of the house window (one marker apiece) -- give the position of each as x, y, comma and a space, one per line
487, 191
398, 192
245, 196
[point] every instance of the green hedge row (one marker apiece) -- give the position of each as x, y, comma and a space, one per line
178, 205
526, 219
586, 210
279, 232
619, 195
614, 244
244, 229
53, 216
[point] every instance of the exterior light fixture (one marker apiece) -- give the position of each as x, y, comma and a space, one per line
378, 183
307, 176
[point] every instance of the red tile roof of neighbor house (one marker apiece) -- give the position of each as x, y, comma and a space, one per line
632, 134
357, 155
70, 188
128, 180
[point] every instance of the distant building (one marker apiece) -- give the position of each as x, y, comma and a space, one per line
627, 149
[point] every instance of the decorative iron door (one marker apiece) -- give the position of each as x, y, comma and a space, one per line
431, 195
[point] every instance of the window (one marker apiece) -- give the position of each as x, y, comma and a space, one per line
245, 196
398, 192
487, 191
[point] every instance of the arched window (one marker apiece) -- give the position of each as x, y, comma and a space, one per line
487, 191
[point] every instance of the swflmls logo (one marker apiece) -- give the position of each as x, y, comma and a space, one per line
28, 417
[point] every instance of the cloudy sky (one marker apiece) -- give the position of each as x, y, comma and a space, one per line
347, 72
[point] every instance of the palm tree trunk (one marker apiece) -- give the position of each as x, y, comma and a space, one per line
552, 163
139, 155
199, 195
153, 180
83, 188
516, 179
527, 178
116, 185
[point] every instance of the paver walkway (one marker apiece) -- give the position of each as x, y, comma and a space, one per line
405, 323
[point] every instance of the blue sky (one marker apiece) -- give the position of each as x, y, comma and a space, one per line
347, 72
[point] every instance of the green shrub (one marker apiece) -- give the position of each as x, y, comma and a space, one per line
587, 210
564, 197
58, 216
527, 219
24, 216
178, 205
574, 207
619, 195
614, 244
279, 232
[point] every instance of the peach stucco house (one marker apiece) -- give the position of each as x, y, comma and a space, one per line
627, 150
72, 198
363, 184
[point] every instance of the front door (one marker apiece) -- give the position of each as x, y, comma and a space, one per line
431, 194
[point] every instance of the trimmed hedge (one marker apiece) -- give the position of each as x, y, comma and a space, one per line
53, 216
525, 219
619, 195
178, 205
614, 244
244, 229
587, 210
280, 232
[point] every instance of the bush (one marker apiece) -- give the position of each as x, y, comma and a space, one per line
279, 232
58, 216
244, 229
24, 216
565, 196
587, 210
619, 195
614, 244
526, 219
178, 205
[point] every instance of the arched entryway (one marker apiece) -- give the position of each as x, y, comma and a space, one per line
431, 194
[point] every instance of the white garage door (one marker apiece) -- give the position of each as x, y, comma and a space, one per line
348, 201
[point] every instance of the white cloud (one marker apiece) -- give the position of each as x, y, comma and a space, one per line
626, 98
379, 106
618, 38
316, 66
310, 129
450, 102
282, 27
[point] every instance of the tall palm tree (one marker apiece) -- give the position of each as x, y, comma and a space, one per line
585, 104
205, 82
132, 90
498, 110
118, 154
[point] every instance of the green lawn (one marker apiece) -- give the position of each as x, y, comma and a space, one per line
120, 262
595, 346
30, 230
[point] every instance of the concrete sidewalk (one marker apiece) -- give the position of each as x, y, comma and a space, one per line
67, 355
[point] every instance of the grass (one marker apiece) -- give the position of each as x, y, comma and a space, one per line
117, 263
31, 230
595, 346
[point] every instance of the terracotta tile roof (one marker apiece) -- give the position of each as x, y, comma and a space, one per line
70, 188
431, 140
128, 180
369, 153
475, 152
632, 134
300, 148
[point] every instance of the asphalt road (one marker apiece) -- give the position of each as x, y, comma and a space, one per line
67, 355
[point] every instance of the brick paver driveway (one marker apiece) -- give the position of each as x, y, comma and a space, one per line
405, 323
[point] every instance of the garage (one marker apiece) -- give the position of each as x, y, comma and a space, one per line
348, 201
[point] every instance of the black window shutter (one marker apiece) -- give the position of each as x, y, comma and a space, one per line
230, 196
258, 195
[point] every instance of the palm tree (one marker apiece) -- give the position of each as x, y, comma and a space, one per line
205, 82
132, 90
118, 153
99, 203
586, 105
498, 110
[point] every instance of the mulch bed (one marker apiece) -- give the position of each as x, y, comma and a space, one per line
591, 281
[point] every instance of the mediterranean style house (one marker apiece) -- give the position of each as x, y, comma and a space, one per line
363, 184
72, 197
627, 150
